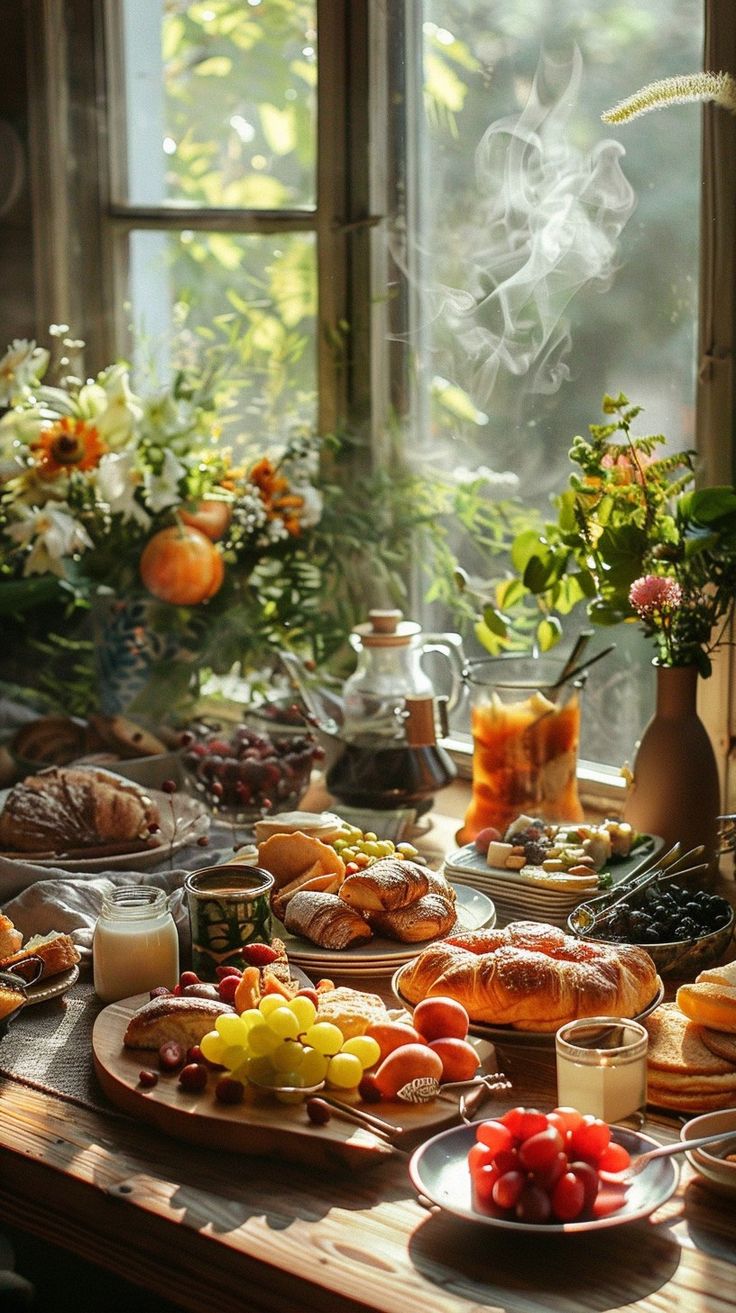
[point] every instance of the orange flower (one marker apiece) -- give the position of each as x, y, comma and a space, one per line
68, 444
278, 501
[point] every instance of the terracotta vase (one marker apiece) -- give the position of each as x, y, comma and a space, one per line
676, 790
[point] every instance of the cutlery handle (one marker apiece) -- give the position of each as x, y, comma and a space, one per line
682, 1146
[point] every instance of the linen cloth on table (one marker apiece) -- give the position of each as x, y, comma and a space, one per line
39, 899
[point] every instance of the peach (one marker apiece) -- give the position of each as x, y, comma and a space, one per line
212, 517
409, 1063
440, 1018
390, 1035
459, 1059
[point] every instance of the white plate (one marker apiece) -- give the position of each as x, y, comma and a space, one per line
507, 1034
183, 821
439, 1171
53, 987
474, 911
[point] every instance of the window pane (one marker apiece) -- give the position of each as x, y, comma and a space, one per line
541, 280
267, 285
219, 103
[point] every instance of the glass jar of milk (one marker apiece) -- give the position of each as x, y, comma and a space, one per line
135, 945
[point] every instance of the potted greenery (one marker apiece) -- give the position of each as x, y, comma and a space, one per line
635, 543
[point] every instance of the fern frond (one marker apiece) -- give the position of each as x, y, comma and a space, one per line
719, 87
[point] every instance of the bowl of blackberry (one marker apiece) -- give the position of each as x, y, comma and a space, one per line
683, 930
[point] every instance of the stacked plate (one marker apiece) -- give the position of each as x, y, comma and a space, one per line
379, 957
517, 898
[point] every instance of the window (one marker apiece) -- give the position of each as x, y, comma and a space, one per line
151, 130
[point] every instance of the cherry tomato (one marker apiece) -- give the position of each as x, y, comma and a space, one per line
589, 1140
533, 1204
496, 1135
539, 1150
507, 1189
614, 1159
568, 1197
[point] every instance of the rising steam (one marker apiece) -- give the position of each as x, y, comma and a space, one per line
545, 225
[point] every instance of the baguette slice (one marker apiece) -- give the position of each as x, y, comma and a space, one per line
57, 951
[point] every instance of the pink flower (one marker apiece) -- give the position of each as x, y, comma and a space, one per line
652, 595
625, 468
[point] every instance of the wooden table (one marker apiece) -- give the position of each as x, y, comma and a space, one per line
221, 1232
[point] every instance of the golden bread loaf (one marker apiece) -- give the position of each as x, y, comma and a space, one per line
532, 976
186, 1020
64, 809
10, 938
326, 920
426, 918
385, 886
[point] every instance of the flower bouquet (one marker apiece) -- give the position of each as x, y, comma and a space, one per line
107, 492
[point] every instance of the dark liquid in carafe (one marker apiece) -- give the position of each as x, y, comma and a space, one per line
398, 776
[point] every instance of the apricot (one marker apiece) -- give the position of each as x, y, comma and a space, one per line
181, 566
408, 1063
211, 517
459, 1059
440, 1018
390, 1035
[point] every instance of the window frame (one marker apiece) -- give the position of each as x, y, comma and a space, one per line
78, 233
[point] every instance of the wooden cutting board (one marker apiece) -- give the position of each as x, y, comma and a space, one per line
260, 1126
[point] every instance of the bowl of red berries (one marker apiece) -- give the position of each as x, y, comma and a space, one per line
243, 774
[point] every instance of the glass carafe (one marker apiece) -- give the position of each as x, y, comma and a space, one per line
526, 733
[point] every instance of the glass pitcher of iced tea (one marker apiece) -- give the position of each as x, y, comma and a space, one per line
525, 742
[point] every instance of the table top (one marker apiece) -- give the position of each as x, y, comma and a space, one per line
213, 1229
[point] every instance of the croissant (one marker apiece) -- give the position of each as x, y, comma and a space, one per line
439, 885
326, 920
532, 976
427, 918
385, 886
61, 809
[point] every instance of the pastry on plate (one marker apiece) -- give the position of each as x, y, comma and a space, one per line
385, 886
63, 810
186, 1020
326, 920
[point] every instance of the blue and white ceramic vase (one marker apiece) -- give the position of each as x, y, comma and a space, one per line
145, 656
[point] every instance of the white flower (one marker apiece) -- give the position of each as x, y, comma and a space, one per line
52, 533
310, 513
121, 410
117, 480
23, 364
162, 489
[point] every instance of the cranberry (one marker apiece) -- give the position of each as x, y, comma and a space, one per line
170, 1055
168, 786
227, 987
148, 1078
188, 978
229, 1090
193, 1078
368, 1089
318, 1112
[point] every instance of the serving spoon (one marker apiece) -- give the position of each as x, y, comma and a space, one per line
643, 1160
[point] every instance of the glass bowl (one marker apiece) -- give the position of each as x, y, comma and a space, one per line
243, 774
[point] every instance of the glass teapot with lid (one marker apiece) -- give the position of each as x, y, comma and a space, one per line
390, 756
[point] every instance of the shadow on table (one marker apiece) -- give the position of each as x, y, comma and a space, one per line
704, 1205
612, 1269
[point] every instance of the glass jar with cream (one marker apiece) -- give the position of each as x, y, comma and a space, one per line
135, 945
602, 1066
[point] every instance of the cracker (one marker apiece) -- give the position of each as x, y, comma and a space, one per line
675, 1045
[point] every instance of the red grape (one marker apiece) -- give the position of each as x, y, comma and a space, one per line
549, 1175
495, 1135
479, 1156
507, 1189
590, 1182
539, 1150
483, 1182
227, 988
533, 1204
565, 1119
568, 1197
614, 1159
531, 1123
590, 1139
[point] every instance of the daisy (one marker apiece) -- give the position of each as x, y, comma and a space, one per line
67, 445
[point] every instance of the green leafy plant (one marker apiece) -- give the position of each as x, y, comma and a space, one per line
632, 541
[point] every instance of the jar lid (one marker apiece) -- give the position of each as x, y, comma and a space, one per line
387, 629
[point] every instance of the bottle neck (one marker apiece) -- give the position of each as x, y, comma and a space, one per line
134, 903
677, 688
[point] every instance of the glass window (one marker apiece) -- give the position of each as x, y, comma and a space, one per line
550, 257
219, 103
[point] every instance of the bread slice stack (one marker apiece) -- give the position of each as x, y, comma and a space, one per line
692, 1045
